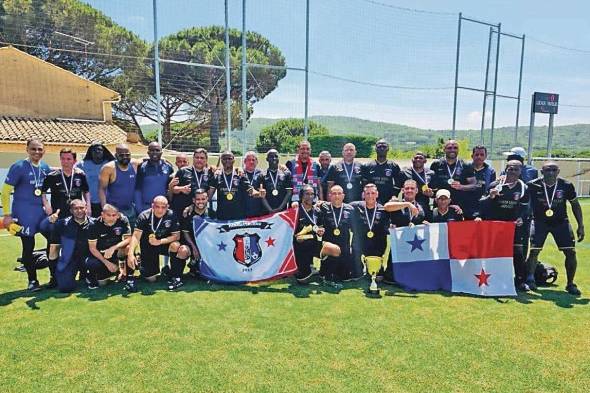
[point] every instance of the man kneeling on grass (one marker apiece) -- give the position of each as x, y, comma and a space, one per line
157, 233
108, 243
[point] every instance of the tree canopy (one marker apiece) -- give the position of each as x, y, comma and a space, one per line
285, 135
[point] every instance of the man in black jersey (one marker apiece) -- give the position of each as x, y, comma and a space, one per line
335, 217
507, 200
444, 211
384, 173
347, 174
451, 173
108, 241
198, 208
370, 227
421, 175
232, 189
308, 242
484, 176
405, 217
189, 179
65, 185
277, 183
254, 206
325, 160
157, 233
549, 194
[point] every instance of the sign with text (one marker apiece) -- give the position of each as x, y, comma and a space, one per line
545, 102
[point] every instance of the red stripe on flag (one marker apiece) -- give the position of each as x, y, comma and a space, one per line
481, 239
289, 216
289, 264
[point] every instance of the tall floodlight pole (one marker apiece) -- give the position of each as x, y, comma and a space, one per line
519, 91
306, 104
485, 93
227, 77
495, 89
244, 79
531, 129
456, 76
157, 70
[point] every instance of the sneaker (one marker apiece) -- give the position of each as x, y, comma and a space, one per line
305, 280
92, 284
33, 286
20, 268
51, 284
175, 284
523, 287
531, 284
130, 286
572, 289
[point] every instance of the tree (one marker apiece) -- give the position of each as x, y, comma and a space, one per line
285, 135
115, 58
199, 93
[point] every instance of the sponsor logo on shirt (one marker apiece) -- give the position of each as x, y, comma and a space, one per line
167, 223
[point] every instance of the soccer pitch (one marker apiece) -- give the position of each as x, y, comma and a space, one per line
283, 337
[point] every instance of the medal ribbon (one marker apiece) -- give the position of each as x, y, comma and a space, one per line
348, 175
68, 192
152, 223
549, 202
372, 221
231, 181
337, 222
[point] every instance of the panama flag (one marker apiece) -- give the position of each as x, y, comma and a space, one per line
472, 257
250, 250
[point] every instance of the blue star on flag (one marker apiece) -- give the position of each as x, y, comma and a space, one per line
416, 243
221, 246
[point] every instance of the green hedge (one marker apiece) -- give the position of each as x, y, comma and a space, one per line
365, 145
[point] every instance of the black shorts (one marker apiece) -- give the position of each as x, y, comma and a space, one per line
150, 259
96, 267
521, 235
562, 233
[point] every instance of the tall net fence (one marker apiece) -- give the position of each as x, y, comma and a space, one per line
373, 68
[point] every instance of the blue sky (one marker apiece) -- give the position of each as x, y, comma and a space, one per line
367, 41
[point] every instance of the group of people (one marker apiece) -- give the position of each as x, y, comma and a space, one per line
112, 215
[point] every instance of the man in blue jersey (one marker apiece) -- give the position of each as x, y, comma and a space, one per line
25, 179
70, 236
153, 177
96, 156
117, 183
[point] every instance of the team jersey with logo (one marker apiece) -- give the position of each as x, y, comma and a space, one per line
196, 179
565, 192
421, 179
162, 227
387, 176
186, 222
450, 215
323, 175
59, 184
442, 173
328, 216
73, 236
403, 217
362, 219
483, 178
509, 205
254, 206
152, 181
234, 208
107, 236
343, 174
279, 180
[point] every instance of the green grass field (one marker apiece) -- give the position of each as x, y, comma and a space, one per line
289, 338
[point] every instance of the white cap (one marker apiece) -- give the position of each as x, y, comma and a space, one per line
443, 192
516, 151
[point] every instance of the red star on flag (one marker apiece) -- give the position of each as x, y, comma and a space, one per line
483, 278
270, 241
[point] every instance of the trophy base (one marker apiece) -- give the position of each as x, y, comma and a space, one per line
374, 292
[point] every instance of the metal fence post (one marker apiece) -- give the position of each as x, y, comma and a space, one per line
227, 77
157, 70
306, 104
519, 91
485, 93
456, 76
495, 90
244, 79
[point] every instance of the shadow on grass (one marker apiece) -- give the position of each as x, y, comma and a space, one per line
315, 288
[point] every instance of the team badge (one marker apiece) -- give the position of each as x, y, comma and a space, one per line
247, 251
117, 231
559, 194
167, 224
77, 182
388, 172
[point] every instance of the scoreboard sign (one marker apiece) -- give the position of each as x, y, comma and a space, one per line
545, 103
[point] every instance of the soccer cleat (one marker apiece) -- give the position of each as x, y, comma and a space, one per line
532, 285
51, 284
175, 284
572, 289
523, 287
92, 284
33, 286
130, 286
20, 268
306, 279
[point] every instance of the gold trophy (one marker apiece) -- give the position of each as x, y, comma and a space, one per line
373, 265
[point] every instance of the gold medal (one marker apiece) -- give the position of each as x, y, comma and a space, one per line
425, 188
549, 213
336, 232
37, 192
229, 196
370, 234
152, 236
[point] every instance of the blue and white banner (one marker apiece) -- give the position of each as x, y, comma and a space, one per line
257, 249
